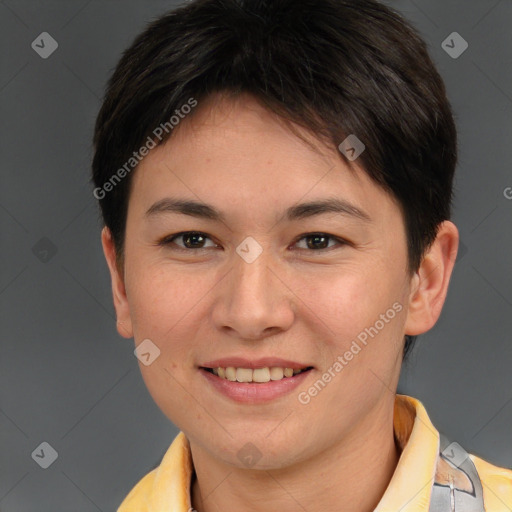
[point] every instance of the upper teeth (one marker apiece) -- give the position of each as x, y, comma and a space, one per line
254, 375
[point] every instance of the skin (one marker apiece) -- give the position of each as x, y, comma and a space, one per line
296, 302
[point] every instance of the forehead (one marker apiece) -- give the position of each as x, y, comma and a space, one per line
235, 153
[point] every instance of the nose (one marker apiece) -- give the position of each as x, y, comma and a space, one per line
253, 301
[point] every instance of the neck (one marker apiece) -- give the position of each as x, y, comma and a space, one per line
351, 475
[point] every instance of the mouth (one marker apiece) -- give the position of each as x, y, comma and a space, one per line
255, 375
251, 381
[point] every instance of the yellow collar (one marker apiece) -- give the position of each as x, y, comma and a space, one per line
410, 487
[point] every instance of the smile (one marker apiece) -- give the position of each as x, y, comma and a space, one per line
254, 386
255, 375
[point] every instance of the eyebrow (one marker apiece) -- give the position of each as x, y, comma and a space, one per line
296, 212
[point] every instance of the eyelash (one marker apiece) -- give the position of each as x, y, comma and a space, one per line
168, 240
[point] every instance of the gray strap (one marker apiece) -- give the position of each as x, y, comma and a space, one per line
457, 486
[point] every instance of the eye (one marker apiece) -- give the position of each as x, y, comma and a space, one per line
196, 240
319, 241
190, 239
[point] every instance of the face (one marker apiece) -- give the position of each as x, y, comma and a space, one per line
267, 284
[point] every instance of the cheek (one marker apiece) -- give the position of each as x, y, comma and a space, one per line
345, 309
165, 305
161, 298
345, 300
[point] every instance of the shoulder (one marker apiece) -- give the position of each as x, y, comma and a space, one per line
166, 487
137, 499
496, 485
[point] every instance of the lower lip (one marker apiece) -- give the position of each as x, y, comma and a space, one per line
255, 393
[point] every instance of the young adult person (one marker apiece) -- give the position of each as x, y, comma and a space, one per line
275, 179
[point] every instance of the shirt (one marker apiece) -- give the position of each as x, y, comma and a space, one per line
423, 477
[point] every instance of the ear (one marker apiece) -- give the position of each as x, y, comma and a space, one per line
124, 323
429, 285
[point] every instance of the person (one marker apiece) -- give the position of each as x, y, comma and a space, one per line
275, 180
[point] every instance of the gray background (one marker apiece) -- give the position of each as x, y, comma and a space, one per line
69, 379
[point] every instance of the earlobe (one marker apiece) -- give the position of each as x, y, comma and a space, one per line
429, 285
124, 323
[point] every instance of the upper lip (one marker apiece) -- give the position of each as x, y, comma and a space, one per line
242, 362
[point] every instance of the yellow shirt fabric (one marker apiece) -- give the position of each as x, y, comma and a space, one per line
167, 487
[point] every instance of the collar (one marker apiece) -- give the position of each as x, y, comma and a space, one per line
411, 484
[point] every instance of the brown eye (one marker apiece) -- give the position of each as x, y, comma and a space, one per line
189, 239
193, 240
319, 241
